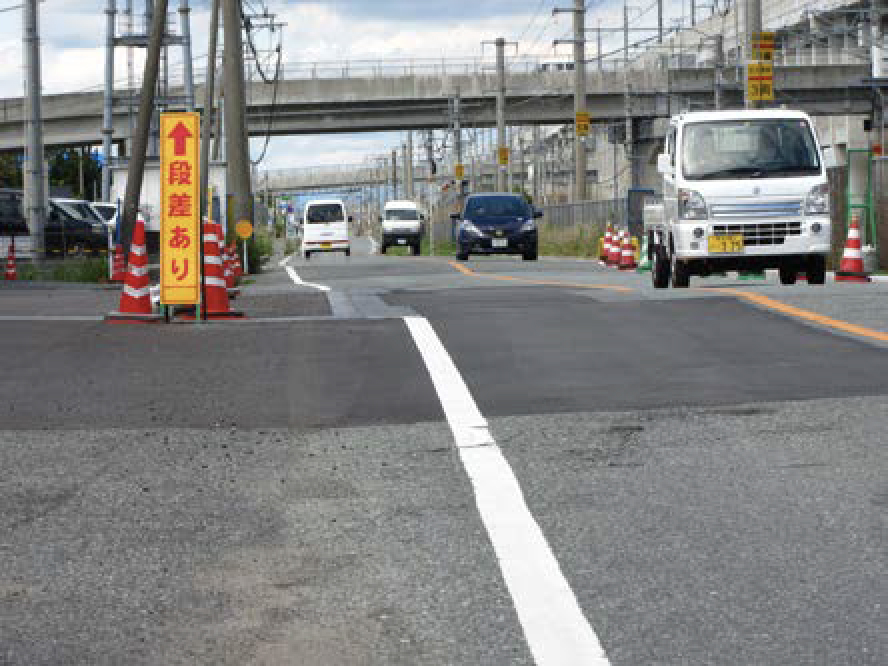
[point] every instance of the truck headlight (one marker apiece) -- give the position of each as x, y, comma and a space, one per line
529, 225
691, 205
817, 202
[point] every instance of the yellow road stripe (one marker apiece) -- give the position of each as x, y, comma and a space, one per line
793, 311
574, 285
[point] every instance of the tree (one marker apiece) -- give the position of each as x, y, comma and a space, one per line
10, 170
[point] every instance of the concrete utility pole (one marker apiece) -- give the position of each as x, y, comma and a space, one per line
185, 28
408, 166
535, 157
394, 173
501, 111
719, 66
34, 174
207, 119
753, 26
136, 170
579, 57
108, 102
237, 143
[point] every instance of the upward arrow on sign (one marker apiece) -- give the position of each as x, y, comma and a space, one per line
179, 135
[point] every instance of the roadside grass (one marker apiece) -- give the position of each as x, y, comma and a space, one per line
65, 270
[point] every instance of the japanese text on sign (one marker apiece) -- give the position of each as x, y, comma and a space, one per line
582, 123
760, 81
180, 209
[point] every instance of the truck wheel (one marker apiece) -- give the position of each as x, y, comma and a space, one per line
815, 271
382, 249
660, 268
462, 255
348, 252
681, 276
415, 250
307, 255
788, 275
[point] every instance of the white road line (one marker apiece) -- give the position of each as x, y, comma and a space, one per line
283, 262
554, 626
298, 280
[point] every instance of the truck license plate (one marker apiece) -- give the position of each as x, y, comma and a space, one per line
731, 243
326, 244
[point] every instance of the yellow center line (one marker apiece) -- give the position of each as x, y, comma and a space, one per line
554, 283
793, 311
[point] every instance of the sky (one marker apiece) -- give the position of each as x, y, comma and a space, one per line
73, 32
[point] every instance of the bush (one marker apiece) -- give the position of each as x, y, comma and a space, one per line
291, 247
66, 270
577, 241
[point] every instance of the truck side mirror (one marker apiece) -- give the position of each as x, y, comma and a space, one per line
537, 214
664, 164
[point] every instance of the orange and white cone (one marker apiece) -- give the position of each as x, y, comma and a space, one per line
135, 301
227, 266
216, 269
238, 267
616, 249
118, 273
627, 258
11, 272
605, 248
851, 268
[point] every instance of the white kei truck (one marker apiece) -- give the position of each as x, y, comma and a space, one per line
401, 225
743, 190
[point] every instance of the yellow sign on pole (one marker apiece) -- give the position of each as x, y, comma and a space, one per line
180, 236
459, 171
760, 81
244, 229
582, 123
503, 155
763, 45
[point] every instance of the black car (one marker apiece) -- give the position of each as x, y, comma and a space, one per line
71, 229
496, 223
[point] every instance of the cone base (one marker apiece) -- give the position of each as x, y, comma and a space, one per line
628, 268
852, 277
231, 314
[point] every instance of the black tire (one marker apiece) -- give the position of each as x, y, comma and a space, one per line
815, 271
348, 252
660, 268
307, 255
382, 249
788, 275
415, 250
530, 255
681, 276
462, 255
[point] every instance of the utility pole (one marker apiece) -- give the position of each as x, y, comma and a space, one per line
34, 174
136, 170
185, 28
579, 56
108, 102
501, 114
394, 173
207, 119
237, 146
659, 21
456, 122
719, 65
753, 27
535, 186
408, 166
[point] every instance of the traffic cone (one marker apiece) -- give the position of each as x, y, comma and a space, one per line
238, 267
227, 266
118, 273
627, 258
605, 248
135, 301
644, 266
215, 305
851, 268
616, 249
11, 272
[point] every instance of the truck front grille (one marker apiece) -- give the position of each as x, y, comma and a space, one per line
761, 233
792, 208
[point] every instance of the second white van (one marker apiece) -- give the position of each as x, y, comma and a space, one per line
325, 227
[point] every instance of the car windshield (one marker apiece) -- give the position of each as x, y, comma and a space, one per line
735, 149
401, 214
324, 213
496, 207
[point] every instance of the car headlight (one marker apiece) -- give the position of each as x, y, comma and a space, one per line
691, 205
817, 202
470, 228
529, 225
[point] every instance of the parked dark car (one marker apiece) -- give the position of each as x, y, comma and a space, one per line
72, 228
497, 223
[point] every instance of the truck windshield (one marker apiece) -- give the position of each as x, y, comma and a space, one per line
324, 214
401, 214
765, 148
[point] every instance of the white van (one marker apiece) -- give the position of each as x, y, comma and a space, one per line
401, 225
325, 227
743, 190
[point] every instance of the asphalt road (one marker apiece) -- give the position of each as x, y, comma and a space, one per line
707, 473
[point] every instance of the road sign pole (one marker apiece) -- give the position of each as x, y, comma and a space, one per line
246, 258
